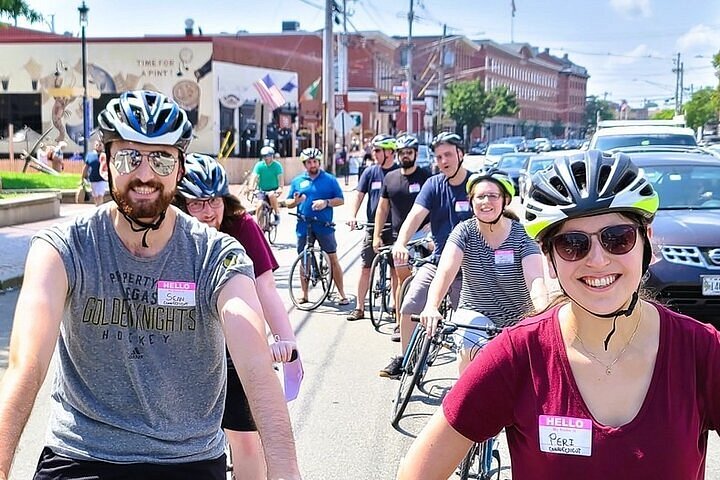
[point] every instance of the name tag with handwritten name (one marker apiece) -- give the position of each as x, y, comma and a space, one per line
565, 435
176, 294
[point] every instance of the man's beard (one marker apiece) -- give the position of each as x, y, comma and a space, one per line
313, 170
144, 209
407, 163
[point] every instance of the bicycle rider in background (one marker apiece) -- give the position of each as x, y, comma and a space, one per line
399, 190
443, 198
502, 268
315, 193
268, 178
370, 183
204, 193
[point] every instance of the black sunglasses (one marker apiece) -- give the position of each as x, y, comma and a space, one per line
128, 160
615, 239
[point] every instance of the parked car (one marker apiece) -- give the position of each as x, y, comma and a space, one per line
425, 158
558, 143
686, 232
512, 163
530, 146
533, 164
478, 148
542, 145
616, 134
519, 142
473, 162
497, 150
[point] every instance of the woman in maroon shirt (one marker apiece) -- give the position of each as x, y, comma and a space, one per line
602, 384
203, 193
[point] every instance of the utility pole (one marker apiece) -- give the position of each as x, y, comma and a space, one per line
409, 76
676, 71
441, 83
682, 81
328, 88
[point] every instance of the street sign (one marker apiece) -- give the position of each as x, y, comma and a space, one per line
388, 103
341, 101
343, 123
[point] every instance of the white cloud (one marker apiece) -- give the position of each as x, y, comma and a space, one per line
633, 8
699, 37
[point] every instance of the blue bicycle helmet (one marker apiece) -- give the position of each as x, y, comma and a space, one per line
146, 117
204, 178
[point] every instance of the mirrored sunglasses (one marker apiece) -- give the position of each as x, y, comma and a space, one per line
128, 160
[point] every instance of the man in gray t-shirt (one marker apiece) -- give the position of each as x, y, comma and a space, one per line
139, 301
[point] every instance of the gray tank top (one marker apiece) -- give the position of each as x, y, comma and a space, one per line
141, 373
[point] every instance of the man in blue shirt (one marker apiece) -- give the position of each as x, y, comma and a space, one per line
370, 183
444, 199
315, 193
91, 173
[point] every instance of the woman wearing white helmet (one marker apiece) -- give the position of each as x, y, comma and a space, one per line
602, 384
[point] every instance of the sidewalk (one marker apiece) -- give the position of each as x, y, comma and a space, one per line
15, 240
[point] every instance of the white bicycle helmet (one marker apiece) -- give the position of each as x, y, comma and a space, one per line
311, 153
267, 151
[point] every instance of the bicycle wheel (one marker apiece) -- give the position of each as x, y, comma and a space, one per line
414, 367
271, 233
469, 467
311, 268
380, 290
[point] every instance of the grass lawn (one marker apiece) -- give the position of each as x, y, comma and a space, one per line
23, 181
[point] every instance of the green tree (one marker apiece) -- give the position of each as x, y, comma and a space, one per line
557, 128
716, 96
664, 114
700, 109
15, 9
593, 105
469, 104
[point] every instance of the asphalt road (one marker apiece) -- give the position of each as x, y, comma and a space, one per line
342, 416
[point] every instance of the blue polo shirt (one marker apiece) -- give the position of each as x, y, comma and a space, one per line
448, 205
323, 187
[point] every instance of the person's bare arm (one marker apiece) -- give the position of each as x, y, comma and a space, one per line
447, 270
535, 280
35, 331
354, 208
276, 317
381, 215
240, 309
409, 227
435, 453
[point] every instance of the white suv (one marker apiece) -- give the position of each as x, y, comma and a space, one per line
629, 133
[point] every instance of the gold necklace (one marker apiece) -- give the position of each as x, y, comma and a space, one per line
609, 366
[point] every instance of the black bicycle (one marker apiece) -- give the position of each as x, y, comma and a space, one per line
380, 299
421, 353
310, 278
264, 216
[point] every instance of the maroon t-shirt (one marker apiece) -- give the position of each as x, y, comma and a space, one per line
246, 231
523, 377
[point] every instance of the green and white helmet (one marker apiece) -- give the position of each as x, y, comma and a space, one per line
386, 142
494, 175
586, 184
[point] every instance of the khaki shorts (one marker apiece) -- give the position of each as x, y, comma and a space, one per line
414, 301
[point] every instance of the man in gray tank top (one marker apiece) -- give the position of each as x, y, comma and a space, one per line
143, 299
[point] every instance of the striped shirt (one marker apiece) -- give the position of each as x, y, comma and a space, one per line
492, 279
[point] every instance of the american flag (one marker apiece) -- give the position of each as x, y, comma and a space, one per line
269, 93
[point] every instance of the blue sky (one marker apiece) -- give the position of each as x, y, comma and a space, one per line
628, 46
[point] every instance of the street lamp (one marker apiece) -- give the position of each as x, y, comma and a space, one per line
83, 11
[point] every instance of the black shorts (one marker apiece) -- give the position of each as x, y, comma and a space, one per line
52, 466
368, 254
237, 415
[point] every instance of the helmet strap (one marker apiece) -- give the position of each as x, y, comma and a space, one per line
624, 312
460, 160
141, 226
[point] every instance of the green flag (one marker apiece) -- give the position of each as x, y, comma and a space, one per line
311, 93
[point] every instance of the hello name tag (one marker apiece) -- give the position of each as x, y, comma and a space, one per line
565, 435
414, 187
375, 185
504, 257
176, 294
462, 206
305, 184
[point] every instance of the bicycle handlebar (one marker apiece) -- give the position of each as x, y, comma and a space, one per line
451, 326
311, 219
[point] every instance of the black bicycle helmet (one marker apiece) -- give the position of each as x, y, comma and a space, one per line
204, 178
585, 184
407, 141
449, 138
146, 117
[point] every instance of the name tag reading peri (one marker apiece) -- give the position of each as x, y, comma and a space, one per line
565, 435
176, 294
